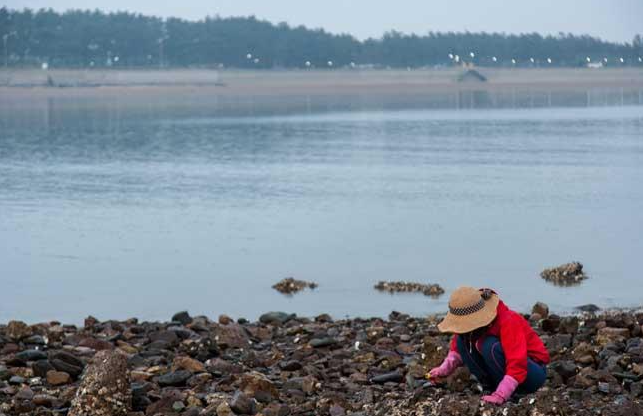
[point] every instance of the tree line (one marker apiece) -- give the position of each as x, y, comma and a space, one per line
81, 39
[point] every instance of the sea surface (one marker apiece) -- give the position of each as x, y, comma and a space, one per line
118, 214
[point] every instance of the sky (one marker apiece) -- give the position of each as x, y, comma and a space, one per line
613, 20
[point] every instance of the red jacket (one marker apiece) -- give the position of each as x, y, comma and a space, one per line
518, 341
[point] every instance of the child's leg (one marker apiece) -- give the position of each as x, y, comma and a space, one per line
474, 362
494, 358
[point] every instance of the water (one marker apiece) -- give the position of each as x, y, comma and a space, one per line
116, 215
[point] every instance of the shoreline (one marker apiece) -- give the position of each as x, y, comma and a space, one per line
288, 365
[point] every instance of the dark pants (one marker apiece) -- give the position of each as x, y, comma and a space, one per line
489, 365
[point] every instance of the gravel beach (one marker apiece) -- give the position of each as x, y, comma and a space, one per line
288, 365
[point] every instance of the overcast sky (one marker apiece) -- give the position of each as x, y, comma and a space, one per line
615, 20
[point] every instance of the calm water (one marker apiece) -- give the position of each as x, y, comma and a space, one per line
117, 215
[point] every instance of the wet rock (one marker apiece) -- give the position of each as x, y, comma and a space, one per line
242, 404
433, 290
104, 389
278, 318
565, 275
289, 286
182, 317
541, 309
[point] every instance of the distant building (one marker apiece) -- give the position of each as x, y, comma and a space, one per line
472, 75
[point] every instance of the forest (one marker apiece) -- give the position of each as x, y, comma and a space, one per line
85, 39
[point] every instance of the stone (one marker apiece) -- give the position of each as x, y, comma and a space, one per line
258, 386
276, 318
241, 404
223, 409
541, 309
225, 320
589, 308
57, 378
44, 400
31, 355
189, 364
292, 365
231, 336
104, 389
394, 376
17, 330
566, 369
322, 342
183, 317
96, 344
41, 367
174, 378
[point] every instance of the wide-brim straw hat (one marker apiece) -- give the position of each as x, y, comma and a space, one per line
469, 309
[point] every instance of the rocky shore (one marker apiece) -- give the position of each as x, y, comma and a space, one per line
286, 365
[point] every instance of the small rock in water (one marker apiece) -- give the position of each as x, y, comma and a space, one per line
569, 274
289, 286
590, 308
433, 290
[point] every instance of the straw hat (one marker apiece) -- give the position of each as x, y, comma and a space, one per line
469, 309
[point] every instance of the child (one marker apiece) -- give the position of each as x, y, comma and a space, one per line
495, 343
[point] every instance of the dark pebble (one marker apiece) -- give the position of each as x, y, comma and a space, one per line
174, 379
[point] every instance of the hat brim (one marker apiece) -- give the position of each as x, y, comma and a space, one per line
461, 324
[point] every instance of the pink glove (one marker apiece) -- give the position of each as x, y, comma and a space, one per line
503, 392
448, 366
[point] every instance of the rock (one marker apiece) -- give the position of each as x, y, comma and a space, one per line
31, 355
289, 286
104, 389
276, 318
322, 342
44, 400
232, 335
589, 308
174, 378
96, 344
242, 404
565, 275
18, 330
541, 309
568, 325
566, 369
433, 290
41, 367
394, 376
292, 365
223, 409
189, 364
183, 317
24, 393
459, 380
57, 378
170, 338
258, 386
607, 335
225, 320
